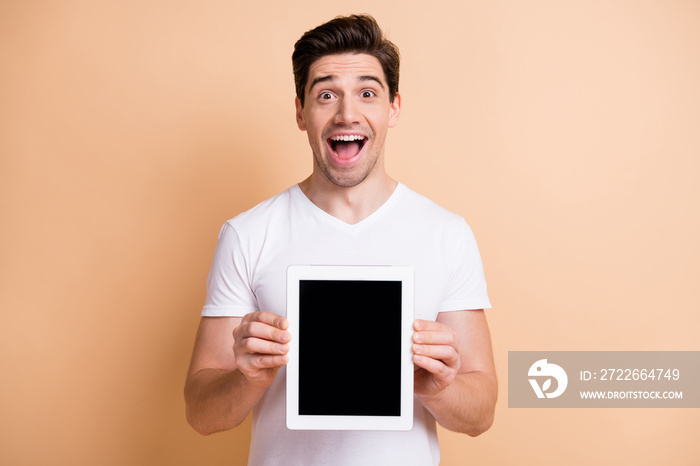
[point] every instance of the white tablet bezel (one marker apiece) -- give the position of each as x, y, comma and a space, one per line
404, 421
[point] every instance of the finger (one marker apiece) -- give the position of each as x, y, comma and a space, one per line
447, 354
268, 318
435, 367
264, 331
267, 332
432, 332
432, 337
256, 362
256, 345
420, 324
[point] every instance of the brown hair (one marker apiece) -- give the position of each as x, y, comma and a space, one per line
345, 34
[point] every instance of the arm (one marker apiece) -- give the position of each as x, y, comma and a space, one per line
234, 360
455, 378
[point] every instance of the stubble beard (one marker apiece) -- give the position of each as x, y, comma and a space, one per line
345, 178
352, 176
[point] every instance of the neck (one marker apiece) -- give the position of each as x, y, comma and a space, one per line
351, 205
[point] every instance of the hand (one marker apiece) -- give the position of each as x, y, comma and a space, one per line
260, 346
436, 357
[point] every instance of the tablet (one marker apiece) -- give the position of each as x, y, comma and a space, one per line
350, 364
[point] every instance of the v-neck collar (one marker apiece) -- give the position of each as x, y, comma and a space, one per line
370, 219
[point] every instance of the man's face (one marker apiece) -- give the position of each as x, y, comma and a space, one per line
346, 115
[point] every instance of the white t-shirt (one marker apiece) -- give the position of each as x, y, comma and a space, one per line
249, 274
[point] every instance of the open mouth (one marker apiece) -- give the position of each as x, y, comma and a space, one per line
347, 146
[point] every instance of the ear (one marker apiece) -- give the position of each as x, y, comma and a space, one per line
300, 114
395, 111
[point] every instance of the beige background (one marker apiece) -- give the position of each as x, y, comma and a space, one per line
566, 132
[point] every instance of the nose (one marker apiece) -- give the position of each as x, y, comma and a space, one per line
347, 113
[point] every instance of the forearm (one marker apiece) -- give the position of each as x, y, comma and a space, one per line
466, 405
218, 400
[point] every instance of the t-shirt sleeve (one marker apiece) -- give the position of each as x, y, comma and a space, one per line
467, 285
228, 286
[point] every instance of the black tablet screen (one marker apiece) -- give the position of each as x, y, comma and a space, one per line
349, 348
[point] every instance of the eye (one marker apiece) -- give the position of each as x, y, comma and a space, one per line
367, 94
325, 96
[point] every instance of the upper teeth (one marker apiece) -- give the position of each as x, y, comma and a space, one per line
354, 137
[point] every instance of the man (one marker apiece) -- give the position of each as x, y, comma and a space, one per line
348, 211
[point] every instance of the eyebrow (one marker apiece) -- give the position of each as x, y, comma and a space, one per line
332, 77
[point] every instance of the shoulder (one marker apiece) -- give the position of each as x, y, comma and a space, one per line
261, 215
430, 212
